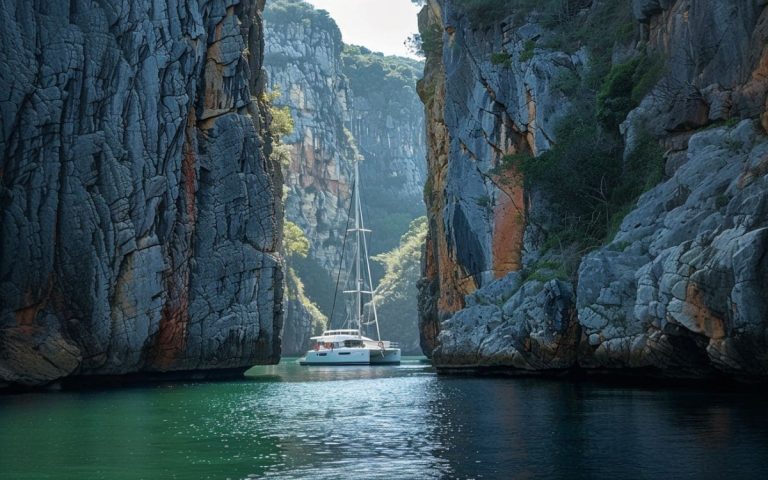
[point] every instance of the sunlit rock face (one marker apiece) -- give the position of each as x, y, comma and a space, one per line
343, 107
139, 223
680, 290
303, 62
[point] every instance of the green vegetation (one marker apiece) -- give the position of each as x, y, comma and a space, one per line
374, 72
427, 43
501, 58
286, 11
396, 293
585, 177
568, 82
545, 270
483, 13
294, 290
484, 201
614, 99
296, 246
528, 51
625, 86
318, 284
294, 240
643, 169
280, 125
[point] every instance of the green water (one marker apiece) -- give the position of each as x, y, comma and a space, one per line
289, 421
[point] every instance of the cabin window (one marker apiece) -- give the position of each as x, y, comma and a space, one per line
344, 353
322, 354
353, 343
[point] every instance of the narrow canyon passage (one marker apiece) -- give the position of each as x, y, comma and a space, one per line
541, 226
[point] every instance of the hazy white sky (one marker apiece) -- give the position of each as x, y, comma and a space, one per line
380, 25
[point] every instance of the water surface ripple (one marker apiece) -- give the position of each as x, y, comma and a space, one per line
289, 422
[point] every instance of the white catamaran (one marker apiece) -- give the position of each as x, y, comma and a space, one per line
348, 346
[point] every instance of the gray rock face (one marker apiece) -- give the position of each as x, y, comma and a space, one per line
387, 122
528, 326
680, 291
682, 286
486, 96
344, 107
138, 209
303, 62
717, 64
302, 318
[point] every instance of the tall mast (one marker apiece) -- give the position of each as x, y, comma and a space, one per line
361, 248
358, 244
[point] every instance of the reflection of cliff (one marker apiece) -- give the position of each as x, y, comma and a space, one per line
139, 213
542, 135
346, 102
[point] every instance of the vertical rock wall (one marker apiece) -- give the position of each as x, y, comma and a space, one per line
303, 62
680, 290
478, 111
138, 208
346, 103
387, 122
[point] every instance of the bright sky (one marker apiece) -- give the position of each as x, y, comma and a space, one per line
379, 25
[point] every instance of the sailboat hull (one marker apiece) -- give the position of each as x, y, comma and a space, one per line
352, 356
339, 356
385, 357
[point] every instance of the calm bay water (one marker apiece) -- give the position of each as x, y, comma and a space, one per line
289, 421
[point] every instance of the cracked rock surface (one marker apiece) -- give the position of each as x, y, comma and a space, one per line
681, 289
138, 210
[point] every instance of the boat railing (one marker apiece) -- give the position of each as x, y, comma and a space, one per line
382, 344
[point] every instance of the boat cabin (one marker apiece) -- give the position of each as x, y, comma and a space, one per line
332, 339
350, 331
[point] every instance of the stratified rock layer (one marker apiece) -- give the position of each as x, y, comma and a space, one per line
680, 291
138, 209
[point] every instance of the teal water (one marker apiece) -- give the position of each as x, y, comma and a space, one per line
288, 421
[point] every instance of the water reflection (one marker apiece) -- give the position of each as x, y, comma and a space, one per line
540, 429
289, 421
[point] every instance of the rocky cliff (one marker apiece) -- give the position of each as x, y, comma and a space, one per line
303, 63
346, 103
387, 121
139, 209
644, 251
